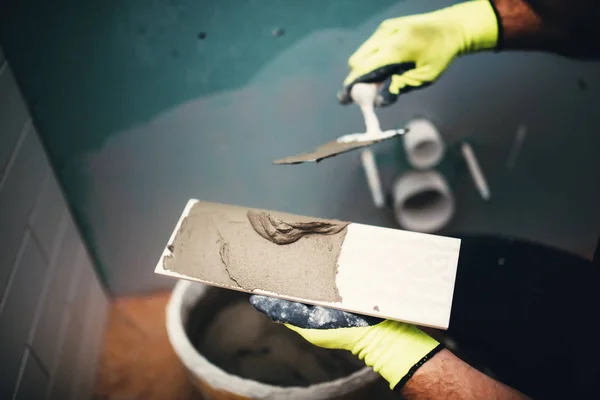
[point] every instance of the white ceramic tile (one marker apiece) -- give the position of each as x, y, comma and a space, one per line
91, 341
46, 336
47, 333
33, 382
78, 276
18, 192
48, 211
13, 114
78, 305
18, 309
411, 275
100, 292
81, 286
97, 309
64, 324
64, 371
49, 310
9, 370
67, 257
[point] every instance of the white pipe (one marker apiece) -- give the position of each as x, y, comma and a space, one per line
476, 172
516, 147
368, 162
423, 201
423, 144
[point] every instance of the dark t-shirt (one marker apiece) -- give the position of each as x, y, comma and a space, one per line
522, 311
597, 254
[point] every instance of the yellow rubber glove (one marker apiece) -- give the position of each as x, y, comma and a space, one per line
410, 52
393, 349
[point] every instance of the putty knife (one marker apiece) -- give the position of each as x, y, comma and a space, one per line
363, 95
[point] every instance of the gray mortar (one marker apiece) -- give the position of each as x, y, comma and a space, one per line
217, 243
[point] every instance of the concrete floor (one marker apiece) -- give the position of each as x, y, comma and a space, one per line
137, 361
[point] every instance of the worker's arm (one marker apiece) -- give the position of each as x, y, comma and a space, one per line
408, 53
567, 27
413, 363
445, 376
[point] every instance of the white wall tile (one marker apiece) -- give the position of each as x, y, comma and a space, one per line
46, 335
13, 114
33, 382
47, 213
81, 286
98, 302
18, 192
65, 368
17, 312
49, 310
77, 276
91, 341
52, 308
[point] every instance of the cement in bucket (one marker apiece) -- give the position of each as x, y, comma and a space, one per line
231, 351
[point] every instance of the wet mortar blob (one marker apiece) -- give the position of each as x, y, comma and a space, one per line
235, 337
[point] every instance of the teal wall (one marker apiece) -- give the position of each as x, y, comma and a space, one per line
140, 113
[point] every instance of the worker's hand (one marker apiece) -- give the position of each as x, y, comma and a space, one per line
393, 349
410, 52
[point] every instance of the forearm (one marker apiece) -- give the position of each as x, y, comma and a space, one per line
446, 377
567, 27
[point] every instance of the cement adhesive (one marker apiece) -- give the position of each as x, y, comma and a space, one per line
282, 232
217, 243
246, 343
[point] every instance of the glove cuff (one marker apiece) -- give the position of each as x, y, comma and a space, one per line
415, 367
479, 25
395, 350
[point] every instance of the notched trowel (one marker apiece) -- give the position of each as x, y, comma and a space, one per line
364, 95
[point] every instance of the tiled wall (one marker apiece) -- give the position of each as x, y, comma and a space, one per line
52, 305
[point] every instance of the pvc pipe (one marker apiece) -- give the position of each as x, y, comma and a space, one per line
516, 147
423, 144
476, 172
423, 201
370, 166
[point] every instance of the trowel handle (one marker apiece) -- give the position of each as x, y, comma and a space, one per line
364, 95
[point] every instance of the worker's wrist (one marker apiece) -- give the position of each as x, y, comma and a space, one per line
395, 350
478, 24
